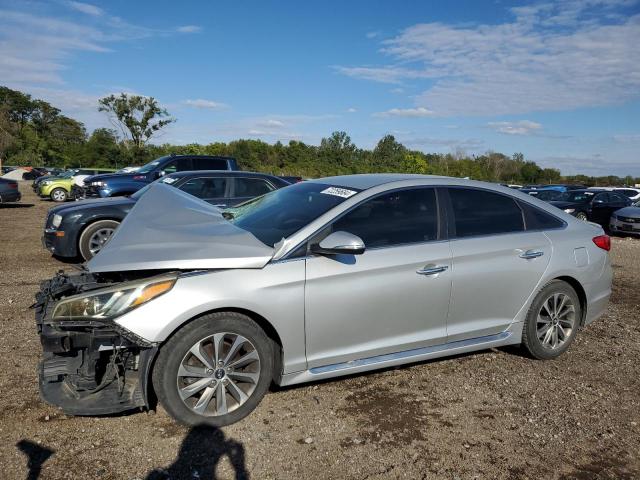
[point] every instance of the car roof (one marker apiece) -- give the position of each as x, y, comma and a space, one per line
223, 173
369, 180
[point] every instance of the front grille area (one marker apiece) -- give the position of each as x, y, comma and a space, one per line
629, 220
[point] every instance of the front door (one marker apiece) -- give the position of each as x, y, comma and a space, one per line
392, 298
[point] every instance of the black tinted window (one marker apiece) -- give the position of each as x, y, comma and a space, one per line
251, 187
206, 187
601, 197
396, 218
537, 219
209, 164
615, 197
479, 212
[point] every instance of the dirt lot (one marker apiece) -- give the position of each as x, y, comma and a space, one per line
493, 414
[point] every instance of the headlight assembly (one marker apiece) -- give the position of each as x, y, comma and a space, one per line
569, 210
111, 302
97, 184
57, 220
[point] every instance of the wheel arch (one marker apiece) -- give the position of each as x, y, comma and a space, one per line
262, 322
582, 295
84, 227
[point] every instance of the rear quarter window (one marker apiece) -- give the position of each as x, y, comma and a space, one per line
537, 219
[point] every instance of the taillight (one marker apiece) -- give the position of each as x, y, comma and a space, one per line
603, 241
13, 185
139, 177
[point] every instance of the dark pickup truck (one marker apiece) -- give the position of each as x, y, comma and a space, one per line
121, 184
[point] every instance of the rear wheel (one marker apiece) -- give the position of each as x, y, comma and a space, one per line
553, 320
95, 236
58, 195
215, 370
581, 216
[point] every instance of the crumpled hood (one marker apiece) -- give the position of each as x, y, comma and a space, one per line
170, 229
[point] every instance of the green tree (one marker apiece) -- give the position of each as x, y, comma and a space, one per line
138, 118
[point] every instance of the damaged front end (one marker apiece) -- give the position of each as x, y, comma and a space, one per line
90, 364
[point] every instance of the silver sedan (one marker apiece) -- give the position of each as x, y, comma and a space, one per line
323, 278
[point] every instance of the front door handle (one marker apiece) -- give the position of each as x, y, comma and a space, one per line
529, 254
432, 270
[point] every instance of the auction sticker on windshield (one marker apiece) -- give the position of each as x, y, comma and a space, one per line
339, 192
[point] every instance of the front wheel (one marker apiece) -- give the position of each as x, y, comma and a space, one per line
553, 320
95, 236
58, 195
215, 370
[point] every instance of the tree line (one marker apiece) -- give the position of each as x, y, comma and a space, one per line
33, 132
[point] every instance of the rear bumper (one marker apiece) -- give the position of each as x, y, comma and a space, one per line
6, 197
89, 367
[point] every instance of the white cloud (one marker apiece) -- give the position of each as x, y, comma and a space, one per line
406, 112
270, 123
595, 164
551, 56
397, 90
208, 104
189, 29
86, 8
351, 110
372, 34
522, 127
632, 138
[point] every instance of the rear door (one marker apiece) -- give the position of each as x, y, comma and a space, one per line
496, 262
601, 208
363, 306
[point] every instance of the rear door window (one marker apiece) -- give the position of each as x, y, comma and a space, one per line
393, 218
480, 212
251, 187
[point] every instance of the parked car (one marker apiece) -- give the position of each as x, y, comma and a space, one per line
323, 278
548, 195
592, 205
116, 185
34, 173
82, 228
64, 174
61, 189
631, 192
626, 220
9, 191
6, 169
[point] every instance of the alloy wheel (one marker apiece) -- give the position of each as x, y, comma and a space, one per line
59, 196
99, 238
556, 321
218, 374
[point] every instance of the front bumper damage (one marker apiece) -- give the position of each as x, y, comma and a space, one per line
89, 367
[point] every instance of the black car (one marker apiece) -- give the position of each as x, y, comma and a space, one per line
592, 205
82, 228
119, 184
34, 173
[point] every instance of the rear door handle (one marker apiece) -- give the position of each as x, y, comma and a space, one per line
529, 254
432, 270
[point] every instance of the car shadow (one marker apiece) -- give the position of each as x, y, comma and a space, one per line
16, 205
200, 452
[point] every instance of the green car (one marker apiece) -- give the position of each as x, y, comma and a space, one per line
58, 189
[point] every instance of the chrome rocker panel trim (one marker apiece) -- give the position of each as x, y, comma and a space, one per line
511, 336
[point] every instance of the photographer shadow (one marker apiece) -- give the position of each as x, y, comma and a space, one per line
200, 452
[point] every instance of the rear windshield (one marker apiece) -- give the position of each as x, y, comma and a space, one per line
281, 213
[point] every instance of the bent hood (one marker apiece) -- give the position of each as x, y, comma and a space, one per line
170, 229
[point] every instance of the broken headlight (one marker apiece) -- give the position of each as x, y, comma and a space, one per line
111, 302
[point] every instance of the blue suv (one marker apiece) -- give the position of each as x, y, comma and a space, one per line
120, 184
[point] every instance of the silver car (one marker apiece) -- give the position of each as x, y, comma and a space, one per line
626, 221
341, 275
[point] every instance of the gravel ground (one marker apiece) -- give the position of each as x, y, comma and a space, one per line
493, 414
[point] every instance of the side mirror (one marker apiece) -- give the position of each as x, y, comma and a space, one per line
339, 243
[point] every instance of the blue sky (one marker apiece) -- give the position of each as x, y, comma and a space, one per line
557, 81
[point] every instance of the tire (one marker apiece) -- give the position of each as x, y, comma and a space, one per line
542, 317
95, 236
582, 216
59, 195
217, 391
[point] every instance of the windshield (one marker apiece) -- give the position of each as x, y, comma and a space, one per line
168, 180
577, 197
281, 213
150, 166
